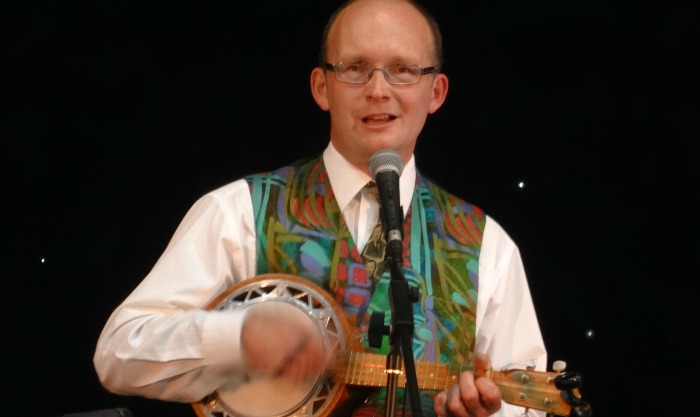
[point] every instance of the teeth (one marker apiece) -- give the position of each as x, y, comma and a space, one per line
384, 117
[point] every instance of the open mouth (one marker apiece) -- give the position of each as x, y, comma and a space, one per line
378, 119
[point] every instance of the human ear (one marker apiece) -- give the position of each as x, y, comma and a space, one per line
439, 92
319, 88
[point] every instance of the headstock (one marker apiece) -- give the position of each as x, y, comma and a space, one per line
555, 392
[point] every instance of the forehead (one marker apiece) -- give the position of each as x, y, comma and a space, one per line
380, 30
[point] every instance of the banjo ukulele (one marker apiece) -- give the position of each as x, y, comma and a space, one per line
318, 396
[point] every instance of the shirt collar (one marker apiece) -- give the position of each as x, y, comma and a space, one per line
347, 180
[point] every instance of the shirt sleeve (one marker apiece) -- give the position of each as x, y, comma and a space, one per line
507, 329
162, 342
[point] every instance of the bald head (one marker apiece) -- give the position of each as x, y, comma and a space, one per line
349, 8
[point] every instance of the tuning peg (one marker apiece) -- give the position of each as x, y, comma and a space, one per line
559, 366
567, 381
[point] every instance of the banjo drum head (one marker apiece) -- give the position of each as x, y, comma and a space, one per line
267, 396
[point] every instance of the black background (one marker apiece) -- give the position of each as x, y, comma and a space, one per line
120, 114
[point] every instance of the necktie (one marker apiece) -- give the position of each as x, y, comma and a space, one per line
373, 254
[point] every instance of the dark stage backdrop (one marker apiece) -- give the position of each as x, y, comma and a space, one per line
120, 114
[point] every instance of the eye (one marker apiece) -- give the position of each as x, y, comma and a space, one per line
402, 69
357, 67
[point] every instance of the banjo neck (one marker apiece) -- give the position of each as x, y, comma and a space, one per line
522, 387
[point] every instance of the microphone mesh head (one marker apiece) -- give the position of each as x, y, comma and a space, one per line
385, 159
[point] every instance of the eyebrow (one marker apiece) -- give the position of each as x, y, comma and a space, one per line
393, 60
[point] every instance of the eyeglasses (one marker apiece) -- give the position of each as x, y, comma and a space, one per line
396, 74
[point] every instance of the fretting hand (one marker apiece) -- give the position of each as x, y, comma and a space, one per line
475, 395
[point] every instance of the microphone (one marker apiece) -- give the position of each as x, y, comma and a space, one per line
385, 166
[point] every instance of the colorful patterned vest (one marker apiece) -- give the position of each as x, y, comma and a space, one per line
301, 231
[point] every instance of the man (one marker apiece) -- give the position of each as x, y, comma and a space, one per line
379, 79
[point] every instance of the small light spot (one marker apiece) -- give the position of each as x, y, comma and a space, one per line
521, 184
589, 333
43, 260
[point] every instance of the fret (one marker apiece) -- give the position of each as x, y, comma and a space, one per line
369, 369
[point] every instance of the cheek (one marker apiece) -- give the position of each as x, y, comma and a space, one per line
346, 105
417, 107
340, 102
420, 101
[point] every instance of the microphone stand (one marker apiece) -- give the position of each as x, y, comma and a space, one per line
401, 299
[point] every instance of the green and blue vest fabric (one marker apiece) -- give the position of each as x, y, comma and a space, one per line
301, 231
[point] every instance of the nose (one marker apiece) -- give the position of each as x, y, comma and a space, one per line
378, 86
382, 70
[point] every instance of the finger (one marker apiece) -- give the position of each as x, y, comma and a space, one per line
454, 404
489, 394
482, 365
439, 404
466, 393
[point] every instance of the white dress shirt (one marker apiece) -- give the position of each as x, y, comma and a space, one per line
163, 343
